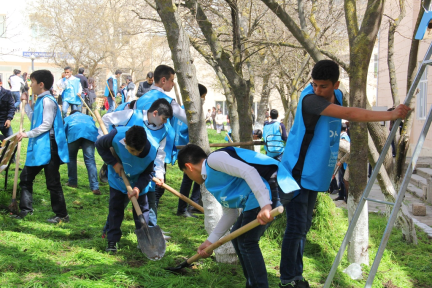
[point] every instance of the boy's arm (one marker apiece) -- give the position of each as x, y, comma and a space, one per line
116, 118
103, 145
178, 112
11, 103
227, 220
284, 133
145, 177
363, 115
160, 161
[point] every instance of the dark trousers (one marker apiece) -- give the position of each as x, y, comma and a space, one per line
52, 178
116, 213
185, 188
249, 252
160, 191
299, 219
342, 188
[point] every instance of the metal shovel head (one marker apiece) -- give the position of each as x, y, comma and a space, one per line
151, 242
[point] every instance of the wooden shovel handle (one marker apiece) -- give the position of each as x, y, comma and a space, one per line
18, 153
88, 108
235, 234
184, 198
123, 175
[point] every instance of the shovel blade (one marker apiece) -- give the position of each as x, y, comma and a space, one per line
151, 242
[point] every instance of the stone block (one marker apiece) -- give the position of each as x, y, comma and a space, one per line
419, 209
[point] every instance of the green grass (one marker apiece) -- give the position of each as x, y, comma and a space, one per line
34, 253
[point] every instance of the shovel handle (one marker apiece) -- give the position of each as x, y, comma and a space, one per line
235, 234
88, 108
181, 196
18, 153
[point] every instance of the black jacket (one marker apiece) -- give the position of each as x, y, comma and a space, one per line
7, 106
143, 88
84, 82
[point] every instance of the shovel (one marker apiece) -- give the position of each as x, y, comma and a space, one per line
13, 206
150, 239
181, 196
220, 242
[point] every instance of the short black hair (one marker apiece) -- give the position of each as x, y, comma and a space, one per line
80, 70
68, 68
74, 111
16, 71
191, 153
150, 74
274, 114
132, 104
136, 137
44, 76
202, 89
343, 128
162, 107
163, 71
123, 84
326, 70
129, 77
258, 133
118, 71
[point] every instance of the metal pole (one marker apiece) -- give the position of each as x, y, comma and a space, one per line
368, 188
32, 65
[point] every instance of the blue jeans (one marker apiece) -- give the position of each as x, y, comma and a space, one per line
299, 219
151, 196
88, 148
249, 252
185, 188
111, 104
17, 97
66, 106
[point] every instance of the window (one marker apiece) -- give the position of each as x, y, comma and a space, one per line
422, 96
2, 26
375, 65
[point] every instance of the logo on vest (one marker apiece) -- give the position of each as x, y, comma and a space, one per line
223, 202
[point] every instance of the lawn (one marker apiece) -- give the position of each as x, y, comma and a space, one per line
34, 253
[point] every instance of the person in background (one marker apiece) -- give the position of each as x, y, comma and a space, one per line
129, 89
111, 89
208, 118
17, 84
219, 121
213, 115
144, 87
91, 93
274, 135
72, 89
7, 110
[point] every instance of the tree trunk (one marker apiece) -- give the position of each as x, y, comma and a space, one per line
404, 220
186, 73
263, 104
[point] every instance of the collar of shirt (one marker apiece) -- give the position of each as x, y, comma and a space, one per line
151, 126
44, 93
154, 87
204, 170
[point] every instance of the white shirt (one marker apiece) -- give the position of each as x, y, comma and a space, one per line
178, 112
16, 82
122, 118
222, 161
49, 112
63, 84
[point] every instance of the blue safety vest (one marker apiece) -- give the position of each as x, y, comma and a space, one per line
347, 138
321, 155
123, 93
107, 92
71, 91
274, 145
234, 192
78, 126
39, 148
121, 107
132, 165
181, 136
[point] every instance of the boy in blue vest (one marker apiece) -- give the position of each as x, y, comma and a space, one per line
111, 88
274, 133
313, 143
154, 120
81, 132
240, 178
136, 156
47, 148
72, 89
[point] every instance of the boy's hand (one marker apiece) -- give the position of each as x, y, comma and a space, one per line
135, 193
160, 183
24, 96
118, 168
202, 247
400, 112
7, 124
264, 216
21, 135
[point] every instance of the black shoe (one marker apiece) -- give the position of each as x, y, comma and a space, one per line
103, 174
302, 284
21, 215
192, 209
288, 285
112, 247
339, 198
186, 214
57, 219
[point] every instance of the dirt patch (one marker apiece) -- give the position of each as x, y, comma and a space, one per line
389, 284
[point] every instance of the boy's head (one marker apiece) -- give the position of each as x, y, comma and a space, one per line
164, 77
123, 85
150, 77
118, 73
325, 76
202, 90
190, 160
41, 81
274, 114
135, 139
160, 111
68, 71
17, 72
128, 79
81, 71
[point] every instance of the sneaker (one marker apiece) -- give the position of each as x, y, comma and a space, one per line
96, 192
21, 215
71, 185
112, 247
57, 219
192, 209
186, 214
295, 284
302, 283
292, 284
166, 237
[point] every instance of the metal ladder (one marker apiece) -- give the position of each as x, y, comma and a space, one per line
401, 194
